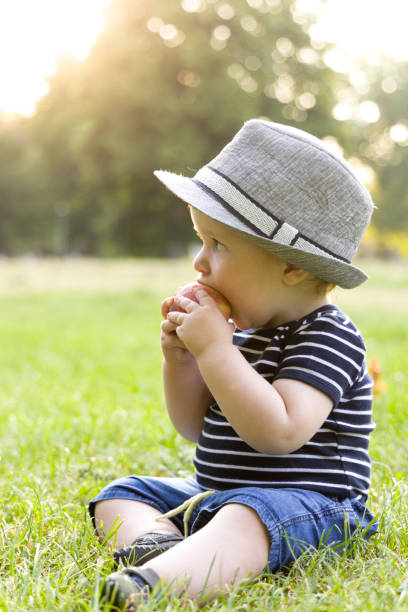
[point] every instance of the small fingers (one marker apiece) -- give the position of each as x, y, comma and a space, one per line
203, 296
168, 337
167, 326
171, 342
176, 317
185, 303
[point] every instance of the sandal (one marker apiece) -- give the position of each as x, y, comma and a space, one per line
129, 587
146, 547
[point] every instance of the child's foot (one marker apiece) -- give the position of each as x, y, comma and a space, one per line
129, 587
146, 547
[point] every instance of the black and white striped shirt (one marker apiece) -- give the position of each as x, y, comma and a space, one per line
324, 350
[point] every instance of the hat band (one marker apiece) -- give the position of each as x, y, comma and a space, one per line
254, 215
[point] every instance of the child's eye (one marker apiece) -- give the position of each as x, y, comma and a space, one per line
217, 245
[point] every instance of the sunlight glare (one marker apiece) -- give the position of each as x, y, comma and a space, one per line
361, 27
33, 35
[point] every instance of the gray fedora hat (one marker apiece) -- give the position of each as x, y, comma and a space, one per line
282, 188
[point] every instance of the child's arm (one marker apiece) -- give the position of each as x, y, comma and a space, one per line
274, 419
186, 395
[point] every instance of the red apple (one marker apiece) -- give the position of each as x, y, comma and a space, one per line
219, 299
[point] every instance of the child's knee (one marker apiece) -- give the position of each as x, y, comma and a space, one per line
243, 521
100, 516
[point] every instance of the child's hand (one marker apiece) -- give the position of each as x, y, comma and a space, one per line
172, 347
201, 324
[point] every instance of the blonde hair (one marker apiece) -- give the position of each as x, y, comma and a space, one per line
321, 286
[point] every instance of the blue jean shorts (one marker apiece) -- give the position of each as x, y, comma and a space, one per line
297, 520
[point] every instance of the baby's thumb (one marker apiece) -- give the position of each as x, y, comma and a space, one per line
165, 306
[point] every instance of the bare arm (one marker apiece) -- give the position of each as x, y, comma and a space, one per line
186, 395
275, 419
187, 398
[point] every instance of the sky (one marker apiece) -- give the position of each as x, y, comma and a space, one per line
33, 33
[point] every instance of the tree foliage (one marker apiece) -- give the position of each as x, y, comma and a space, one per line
166, 85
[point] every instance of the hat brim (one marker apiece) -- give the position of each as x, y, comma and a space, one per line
331, 270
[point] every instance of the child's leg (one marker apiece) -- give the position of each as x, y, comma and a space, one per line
133, 517
237, 532
233, 546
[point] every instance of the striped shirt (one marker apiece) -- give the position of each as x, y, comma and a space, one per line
324, 350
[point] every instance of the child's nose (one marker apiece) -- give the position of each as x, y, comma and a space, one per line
201, 262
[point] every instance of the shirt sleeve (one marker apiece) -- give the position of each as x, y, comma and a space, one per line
327, 353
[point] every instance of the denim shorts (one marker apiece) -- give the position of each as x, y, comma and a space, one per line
298, 521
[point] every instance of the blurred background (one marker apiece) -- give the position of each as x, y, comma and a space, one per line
96, 95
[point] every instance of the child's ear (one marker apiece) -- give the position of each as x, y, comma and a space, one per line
292, 275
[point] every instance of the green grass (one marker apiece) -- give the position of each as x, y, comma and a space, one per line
81, 403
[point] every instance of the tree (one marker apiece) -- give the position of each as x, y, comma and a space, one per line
166, 86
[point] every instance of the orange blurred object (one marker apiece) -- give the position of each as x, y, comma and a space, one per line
375, 371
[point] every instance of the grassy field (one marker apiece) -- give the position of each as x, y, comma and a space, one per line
81, 403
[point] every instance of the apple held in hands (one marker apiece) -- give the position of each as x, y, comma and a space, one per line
188, 292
